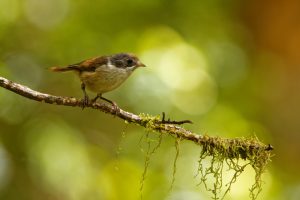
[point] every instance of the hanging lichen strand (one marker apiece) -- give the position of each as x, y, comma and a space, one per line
229, 153
177, 143
149, 152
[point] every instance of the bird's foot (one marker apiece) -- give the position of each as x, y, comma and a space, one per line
116, 108
114, 105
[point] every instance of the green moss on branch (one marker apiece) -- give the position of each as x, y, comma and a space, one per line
220, 151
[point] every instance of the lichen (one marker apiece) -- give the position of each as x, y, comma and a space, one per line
177, 145
120, 148
150, 151
230, 152
149, 121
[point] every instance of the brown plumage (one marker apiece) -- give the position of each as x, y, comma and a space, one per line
86, 65
62, 69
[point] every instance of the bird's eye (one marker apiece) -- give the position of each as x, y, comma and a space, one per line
129, 62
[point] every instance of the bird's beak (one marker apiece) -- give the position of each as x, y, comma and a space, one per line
139, 64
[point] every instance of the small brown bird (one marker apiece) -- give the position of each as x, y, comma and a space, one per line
103, 74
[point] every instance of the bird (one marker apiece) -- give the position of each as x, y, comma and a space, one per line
103, 74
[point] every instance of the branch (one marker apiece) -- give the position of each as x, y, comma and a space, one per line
245, 149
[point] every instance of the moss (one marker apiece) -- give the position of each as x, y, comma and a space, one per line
230, 152
223, 153
149, 121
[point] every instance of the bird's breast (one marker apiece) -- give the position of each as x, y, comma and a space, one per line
104, 79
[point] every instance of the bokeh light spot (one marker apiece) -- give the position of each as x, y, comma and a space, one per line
229, 62
159, 37
24, 68
198, 101
58, 158
47, 13
182, 71
182, 67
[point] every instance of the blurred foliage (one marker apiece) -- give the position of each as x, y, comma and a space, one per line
231, 67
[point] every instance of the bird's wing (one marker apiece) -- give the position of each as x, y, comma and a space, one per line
90, 64
86, 65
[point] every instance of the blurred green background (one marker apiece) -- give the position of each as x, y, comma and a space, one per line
232, 67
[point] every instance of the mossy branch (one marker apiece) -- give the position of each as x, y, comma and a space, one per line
235, 148
249, 149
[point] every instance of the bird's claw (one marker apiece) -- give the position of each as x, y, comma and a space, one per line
116, 108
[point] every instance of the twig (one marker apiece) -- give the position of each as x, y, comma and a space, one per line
163, 121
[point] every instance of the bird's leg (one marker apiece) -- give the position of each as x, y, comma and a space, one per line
95, 99
85, 99
115, 106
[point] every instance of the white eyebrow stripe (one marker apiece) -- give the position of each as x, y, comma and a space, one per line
108, 61
109, 64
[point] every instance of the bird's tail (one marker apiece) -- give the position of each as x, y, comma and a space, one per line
63, 69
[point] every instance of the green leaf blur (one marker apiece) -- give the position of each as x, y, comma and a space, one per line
232, 67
